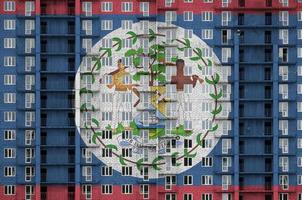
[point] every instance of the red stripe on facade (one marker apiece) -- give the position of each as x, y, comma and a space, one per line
61, 7
60, 192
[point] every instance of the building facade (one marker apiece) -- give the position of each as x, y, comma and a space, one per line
151, 99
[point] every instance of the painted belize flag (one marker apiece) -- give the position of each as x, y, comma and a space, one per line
149, 100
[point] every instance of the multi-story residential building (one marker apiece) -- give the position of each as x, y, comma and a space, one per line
151, 99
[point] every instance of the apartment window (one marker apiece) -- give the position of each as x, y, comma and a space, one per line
283, 196
9, 61
283, 36
188, 180
225, 3
299, 88
188, 197
170, 16
283, 163
9, 171
29, 136
207, 16
29, 118
240, 19
268, 18
29, 26
106, 189
9, 43
144, 8
127, 6
207, 180
29, 192
9, 135
87, 191
299, 161
208, 1
127, 189
284, 18
107, 171
207, 34
226, 18
9, 189
144, 190
206, 161
299, 143
9, 153
87, 8
188, 161
207, 196
87, 27
127, 24
283, 72
87, 173
9, 116
226, 54
299, 15
170, 181
29, 63
9, 24
9, 97
283, 126
283, 90
283, 54
300, 196
283, 145
29, 7
188, 16
283, 108
299, 71
284, 181
29, 45
226, 145
106, 25
226, 181
29, 81
9, 6
226, 163
29, 173
106, 6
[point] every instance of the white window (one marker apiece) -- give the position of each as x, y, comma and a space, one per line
299, 15
188, 33
283, 127
283, 145
207, 180
29, 173
226, 181
29, 137
188, 161
144, 8
208, 1
206, 161
299, 70
106, 6
283, 163
226, 54
87, 44
127, 24
188, 180
300, 196
299, 52
29, 45
107, 171
299, 34
206, 143
226, 17
87, 27
106, 25
170, 16
9, 171
29, 118
9, 134
87, 173
9, 97
226, 145
9, 189
283, 36
283, 90
87, 8
9, 153
299, 161
283, 72
29, 192
207, 34
188, 196
225, 3
284, 3
29, 63
284, 181
126, 171
284, 18
127, 189
29, 7
29, 81
299, 88
127, 6
299, 179
207, 196
9, 24
29, 26
283, 108
170, 180
9, 61
87, 191
9, 116
106, 189
188, 16
9, 6
207, 16
299, 143
9, 43
226, 163
144, 190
